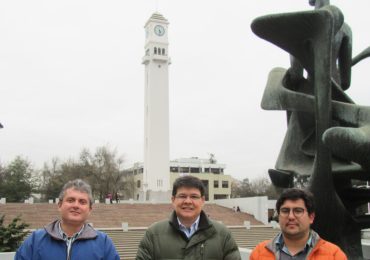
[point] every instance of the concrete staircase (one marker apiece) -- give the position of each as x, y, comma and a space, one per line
109, 217
249, 238
112, 215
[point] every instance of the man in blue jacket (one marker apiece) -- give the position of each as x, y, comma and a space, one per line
70, 237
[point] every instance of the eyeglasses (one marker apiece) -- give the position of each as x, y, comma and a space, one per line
297, 212
192, 197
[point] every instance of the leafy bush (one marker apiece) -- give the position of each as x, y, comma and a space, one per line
12, 235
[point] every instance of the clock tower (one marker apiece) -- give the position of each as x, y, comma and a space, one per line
156, 175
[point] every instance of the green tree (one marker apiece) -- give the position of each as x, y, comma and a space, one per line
129, 186
17, 180
52, 180
257, 187
102, 170
241, 189
12, 235
105, 170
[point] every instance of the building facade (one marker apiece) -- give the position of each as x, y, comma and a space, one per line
217, 184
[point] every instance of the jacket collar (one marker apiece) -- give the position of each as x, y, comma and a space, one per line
204, 221
53, 230
205, 229
271, 245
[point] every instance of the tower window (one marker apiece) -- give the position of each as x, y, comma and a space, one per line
155, 50
163, 51
159, 51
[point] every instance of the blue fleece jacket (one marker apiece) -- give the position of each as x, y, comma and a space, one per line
47, 244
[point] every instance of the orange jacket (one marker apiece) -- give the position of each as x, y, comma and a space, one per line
322, 250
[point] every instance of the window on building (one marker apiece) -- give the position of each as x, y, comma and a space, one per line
215, 184
163, 51
159, 51
184, 169
138, 183
215, 170
155, 50
174, 169
195, 170
220, 196
147, 52
206, 169
225, 184
206, 190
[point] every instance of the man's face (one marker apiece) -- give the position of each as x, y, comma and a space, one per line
75, 207
295, 225
188, 204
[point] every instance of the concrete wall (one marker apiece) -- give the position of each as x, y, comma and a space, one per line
245, 253
271, 204
7, 256
257, 206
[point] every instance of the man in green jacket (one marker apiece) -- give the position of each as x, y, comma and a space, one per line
189, 233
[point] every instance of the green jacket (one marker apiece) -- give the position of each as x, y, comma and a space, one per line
164, 240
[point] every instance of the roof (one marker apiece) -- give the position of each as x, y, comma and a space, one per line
157, 17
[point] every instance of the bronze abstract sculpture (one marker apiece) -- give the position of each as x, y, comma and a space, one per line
328, 137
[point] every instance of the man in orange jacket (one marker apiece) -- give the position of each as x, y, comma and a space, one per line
296, 240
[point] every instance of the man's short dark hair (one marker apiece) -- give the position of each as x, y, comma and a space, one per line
296, 194
188, 181
78, 185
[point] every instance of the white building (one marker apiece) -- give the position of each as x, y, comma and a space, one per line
217, 184
153, 179
156, 178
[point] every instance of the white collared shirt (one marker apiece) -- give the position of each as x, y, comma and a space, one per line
189, 231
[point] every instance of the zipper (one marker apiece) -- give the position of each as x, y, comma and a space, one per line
202, 251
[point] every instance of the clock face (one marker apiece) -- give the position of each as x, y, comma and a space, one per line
159, 30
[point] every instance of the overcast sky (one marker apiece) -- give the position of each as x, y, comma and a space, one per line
71, 77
